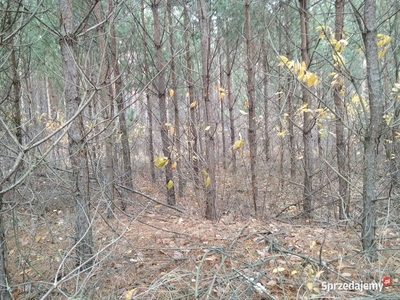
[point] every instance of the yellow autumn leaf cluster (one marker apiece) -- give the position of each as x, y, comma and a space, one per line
338, 46
383, 44
300, 69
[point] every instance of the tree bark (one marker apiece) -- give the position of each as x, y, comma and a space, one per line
77, 145
149, 103
127, 177
222, 111
161, 90
341, 148
4, 276
308, 122
174, 87
231, 107
106, 101
193, 136
289, 92
373, 130
16, 95
211, 192
265, 69
252, 131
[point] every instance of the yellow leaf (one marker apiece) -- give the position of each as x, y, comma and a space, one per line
382, 53
294, 272
246, 104
208, 181
313, 244
342, 45
312, 80
193, 104
205, 172
310, 286
161, 161
303, 65
279, 269
174, 166
396, 134
207, 128
222, 95
310, 272
168, 124
187, 94
41, 117
171, 93
170, 184
355, 99
324, 31
129, 294
383, 40
283, 60
283, 133
238, 144
339, 59
172, 130
301, 74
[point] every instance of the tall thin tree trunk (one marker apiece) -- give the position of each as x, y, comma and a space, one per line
4, 276
149, 103
16, 83
222, 94
161, 90
77, 145
395, 145
340, 114
265, 68
308, 122
373, 131
211, 192
193, 136
106, 100
252, 132
127, 178
289, 100
174, 86
230, 100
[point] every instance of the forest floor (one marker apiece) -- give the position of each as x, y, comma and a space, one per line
154, 252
